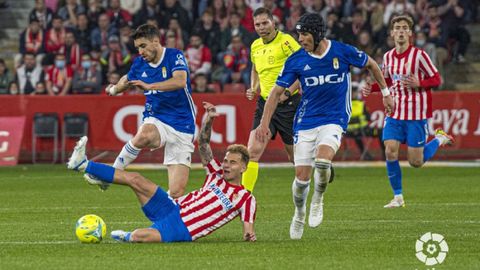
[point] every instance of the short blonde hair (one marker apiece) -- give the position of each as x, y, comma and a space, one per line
239, 149
400, 18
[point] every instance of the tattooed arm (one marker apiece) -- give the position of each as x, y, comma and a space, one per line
204, 139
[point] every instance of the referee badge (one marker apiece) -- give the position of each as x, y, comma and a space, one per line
164, 72
336, 65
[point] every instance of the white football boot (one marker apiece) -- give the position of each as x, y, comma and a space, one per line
298, 221
78, 160
315, 216
120, 236
396, 202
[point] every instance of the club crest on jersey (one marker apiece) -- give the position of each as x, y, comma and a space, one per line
164, 72
336, 65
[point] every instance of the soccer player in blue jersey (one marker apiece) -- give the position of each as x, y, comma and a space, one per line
169, 110
323, 68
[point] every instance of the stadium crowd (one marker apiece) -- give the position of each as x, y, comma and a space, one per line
79, 47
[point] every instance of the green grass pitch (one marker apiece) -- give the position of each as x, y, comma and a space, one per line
39, 206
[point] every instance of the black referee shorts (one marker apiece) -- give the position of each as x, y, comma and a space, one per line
282, 119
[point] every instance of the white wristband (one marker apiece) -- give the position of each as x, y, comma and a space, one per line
112, 90
385, 92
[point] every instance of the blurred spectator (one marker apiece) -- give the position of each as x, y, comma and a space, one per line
59, 77
219, 13
432, 28
52, 4
209, 31
4, 4
116, 58
334, 27
83, 33
276, 12
151, 9
102, 33
40, 89
29, 74
132, 6
254, 4
181, 37
398, 7
245, 12
375, 10
13, 88
118, 15
234, 29
292, 14
353, 29
451, 12
113, 78
235, 63
171, 41
173, 9
319, 6
72, 51
94, 11
201, 84
199, 56
42, 13
365, 43
69, 12
55, 38
126, 39
88, 78
32, 40
5, 77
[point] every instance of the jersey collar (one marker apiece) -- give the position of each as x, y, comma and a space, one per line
159, 61
276, 35
324, 53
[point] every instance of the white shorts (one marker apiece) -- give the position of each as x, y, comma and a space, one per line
178, 145
306, 142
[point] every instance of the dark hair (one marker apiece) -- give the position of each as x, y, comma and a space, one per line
146, 31
400, 18
263, 10
239, 149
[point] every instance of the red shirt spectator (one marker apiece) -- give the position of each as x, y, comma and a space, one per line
55, 38
199, 57
72, 51
118, 15
59, 77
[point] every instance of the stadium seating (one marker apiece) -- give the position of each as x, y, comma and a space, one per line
75, 125
45, 125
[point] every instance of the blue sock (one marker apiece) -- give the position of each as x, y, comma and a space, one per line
101, 171
430, 149
395, 176
127, 236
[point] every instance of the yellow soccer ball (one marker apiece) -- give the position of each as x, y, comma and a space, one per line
90, 229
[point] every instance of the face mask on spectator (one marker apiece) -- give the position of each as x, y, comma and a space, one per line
86, 64
420, 42
60, 63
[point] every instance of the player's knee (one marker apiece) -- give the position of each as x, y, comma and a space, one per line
176, 192
302, 175
391, 153
141, 140
416, 163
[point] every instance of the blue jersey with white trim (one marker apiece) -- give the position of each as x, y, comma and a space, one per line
174, 108
326, 84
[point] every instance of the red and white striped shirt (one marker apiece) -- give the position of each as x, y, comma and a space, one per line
215, 204
410, 104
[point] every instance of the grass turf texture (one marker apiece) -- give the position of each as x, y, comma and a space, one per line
40, 205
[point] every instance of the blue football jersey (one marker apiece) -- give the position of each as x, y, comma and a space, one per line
326, 84
174, 108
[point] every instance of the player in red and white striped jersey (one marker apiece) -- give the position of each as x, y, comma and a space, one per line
196, 214
410, 75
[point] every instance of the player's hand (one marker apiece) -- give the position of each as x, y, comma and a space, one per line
111, 90
389, 104
210, 109
141, 84
366, 88
250, 94
262, 133
411, 81
250, 237
283, 97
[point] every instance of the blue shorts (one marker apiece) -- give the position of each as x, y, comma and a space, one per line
412, 132
165, 215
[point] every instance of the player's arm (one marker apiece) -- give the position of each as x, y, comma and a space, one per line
249, 232
204, 148
377, 74
121, 86
178, 81
254, 84
262, 132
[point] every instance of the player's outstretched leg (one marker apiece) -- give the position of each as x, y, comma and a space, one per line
300, 191
441, 139
321, 178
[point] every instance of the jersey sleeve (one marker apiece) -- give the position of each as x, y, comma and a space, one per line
289, 45
212, 169
425, 65
287, 75
385, 72
354, 56
134, 70
180, 63
248, 210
